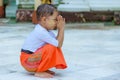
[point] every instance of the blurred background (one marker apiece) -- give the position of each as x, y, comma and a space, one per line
80, 11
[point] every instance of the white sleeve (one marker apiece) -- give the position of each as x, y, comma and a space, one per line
46, 37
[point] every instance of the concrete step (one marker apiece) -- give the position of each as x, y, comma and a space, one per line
4, 20
12, 2
11, 11
104, 5
89, 5
73, 8
74, 1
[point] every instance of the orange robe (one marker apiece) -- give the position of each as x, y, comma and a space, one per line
51, 56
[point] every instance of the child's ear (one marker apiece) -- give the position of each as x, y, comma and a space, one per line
43, 19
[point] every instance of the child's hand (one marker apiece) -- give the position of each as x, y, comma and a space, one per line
34, 57
60, 22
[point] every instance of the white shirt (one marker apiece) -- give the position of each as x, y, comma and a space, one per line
39, 37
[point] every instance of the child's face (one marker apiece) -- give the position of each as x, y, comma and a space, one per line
51, 21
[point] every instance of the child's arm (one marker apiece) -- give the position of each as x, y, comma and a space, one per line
60, 26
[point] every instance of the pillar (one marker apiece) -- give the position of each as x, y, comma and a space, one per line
1, 2
46, 1
36, 4
1, 9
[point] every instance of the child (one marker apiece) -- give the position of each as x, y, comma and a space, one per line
42, 50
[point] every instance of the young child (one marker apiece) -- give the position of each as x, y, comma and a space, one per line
42, 49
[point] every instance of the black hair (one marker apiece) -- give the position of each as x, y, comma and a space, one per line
45, 10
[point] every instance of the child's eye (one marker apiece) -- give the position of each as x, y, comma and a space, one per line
55, 19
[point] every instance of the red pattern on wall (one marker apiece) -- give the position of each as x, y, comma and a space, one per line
105, 16
88, 16
2, 12
117, 18
24, 15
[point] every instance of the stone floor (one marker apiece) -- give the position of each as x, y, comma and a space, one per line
91, 54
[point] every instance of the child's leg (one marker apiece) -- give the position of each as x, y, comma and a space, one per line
51, 57
30, 63
43, 75
34, 57
50, 72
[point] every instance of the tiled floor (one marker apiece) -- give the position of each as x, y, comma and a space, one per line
91, 54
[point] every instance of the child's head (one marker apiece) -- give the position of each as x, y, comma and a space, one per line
47, 15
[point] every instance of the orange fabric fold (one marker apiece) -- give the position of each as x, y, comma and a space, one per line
51, 57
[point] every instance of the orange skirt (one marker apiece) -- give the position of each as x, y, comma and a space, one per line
51, 56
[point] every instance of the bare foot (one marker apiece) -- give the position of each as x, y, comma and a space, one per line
50, 72
43, 75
